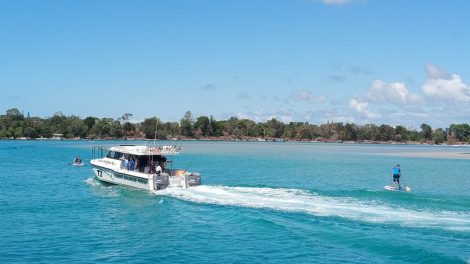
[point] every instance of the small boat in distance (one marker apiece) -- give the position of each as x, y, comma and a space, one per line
77, 162
141, 167
57, 136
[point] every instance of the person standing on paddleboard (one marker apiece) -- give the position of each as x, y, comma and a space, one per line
396, 176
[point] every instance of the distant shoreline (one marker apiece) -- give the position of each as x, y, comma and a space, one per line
14, 125
438, 155
244, 140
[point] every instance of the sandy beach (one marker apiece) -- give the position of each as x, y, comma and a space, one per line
437, 154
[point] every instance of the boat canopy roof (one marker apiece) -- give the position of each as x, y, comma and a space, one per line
145, 150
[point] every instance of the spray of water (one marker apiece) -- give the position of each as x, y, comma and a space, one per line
294, 200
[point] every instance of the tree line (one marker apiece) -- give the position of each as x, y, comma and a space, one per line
13, 124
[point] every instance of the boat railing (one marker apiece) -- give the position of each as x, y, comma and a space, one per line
98, 152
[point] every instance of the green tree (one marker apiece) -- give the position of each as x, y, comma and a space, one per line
202, 126
350, 132
368, 132
102, 128
58, 123
214, 129
187, 123
30, 132
14, 114
275, 128
126, 125
231, 125
426, 132
401, 134
249, 128
460, 131
18, 132
439, 136
115, 128
386, 133
89, 121
150, 125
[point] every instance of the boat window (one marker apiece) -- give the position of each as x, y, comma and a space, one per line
114, 155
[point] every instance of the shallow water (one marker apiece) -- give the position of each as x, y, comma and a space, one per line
260, 203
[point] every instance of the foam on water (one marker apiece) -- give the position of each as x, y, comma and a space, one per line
106, 189
295, 200
92, 182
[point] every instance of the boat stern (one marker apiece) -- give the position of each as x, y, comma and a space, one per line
177, 179
192, 179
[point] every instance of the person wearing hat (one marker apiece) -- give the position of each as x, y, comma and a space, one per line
158, 169
124, 162
396, 176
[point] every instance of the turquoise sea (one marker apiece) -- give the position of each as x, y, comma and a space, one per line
261, 202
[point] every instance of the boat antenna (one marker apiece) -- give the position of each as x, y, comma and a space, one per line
155, 138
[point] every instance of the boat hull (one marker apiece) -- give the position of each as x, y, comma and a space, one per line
152, 182
111, 176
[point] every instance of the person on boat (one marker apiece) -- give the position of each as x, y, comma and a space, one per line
77, 160
158, 169
131, 164
151, 167
124, 163
396, 176
137, 165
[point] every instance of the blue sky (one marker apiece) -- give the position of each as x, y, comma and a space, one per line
393, 62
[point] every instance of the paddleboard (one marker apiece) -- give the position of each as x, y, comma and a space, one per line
390, 188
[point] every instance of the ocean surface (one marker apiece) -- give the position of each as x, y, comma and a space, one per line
260, 202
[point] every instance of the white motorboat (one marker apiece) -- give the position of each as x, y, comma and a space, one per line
116, 167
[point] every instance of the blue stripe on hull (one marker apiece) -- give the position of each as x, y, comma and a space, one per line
111, 176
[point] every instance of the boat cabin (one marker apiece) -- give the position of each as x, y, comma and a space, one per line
145, 158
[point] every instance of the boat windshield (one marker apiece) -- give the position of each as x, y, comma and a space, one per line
144, 163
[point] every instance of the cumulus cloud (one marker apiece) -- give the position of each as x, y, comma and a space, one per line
391, 92
362, 108
281, 114
435, 72
444, 86
306, 96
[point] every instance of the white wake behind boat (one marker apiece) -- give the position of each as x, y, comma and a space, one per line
142, 175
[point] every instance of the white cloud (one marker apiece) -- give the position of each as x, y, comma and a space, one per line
391, 92
281, 114
435, 72
306, 96
443, 86
362, 108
